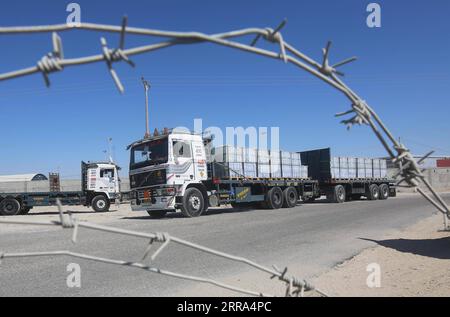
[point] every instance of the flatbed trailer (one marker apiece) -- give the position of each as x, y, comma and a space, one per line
339, 190
270, 193
100, 188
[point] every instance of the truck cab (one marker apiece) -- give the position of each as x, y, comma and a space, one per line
167, 172
100, 184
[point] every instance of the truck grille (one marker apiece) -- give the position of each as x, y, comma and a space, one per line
147, 179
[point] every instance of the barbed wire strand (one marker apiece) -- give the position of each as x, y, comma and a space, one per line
363, 114
68, 221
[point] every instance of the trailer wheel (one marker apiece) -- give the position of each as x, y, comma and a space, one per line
384, 191
193, 203
290, 197
374, 192
100, 204
338, 195
274, 198
157, 214
9, 207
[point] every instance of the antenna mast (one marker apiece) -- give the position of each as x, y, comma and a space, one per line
147, 87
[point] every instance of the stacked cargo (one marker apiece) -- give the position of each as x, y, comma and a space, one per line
286, 164
275, 164
250, 163
334, 167
368, 166
231, 159
361, 168
379, 168
298, 170
236, 162
324, 167
352, 167
263, 163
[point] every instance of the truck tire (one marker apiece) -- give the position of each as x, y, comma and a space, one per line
290, 197
157, 214
338, 195
100, 203
193, 203
9, 207
384, 191
274, 198
374, 192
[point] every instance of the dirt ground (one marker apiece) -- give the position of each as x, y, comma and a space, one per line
413, 262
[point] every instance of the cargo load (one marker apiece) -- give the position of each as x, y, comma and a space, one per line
238, 162
325, 167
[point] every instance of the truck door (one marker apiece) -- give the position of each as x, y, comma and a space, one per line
182, 153
200, 165
107, 180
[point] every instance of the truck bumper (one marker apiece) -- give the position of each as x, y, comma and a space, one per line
157, 203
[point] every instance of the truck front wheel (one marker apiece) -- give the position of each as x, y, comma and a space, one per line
100, 204
193, 203
9, 207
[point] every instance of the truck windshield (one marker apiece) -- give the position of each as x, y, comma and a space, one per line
150, 153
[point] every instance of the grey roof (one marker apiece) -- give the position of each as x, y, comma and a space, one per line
23, 178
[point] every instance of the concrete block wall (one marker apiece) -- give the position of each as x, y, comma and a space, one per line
438, 177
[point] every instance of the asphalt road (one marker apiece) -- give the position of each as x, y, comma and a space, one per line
309, 238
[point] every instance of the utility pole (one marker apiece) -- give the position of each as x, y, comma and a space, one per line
147, 87
110, 150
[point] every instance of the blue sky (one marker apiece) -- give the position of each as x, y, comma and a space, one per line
402, 71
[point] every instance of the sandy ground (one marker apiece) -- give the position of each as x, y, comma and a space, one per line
412, 262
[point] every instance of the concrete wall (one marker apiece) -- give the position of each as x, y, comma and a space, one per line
438, 177
43, 186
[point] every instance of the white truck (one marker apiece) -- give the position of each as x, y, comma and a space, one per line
100, 187
175, 171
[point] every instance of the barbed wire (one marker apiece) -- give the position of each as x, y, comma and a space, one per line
411, 175
294, 286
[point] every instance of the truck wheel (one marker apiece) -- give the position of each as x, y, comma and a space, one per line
193, 203
374, 192
157, 214
274, 198
9, 207
290, 197
100, 203
338, 195
384, 191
